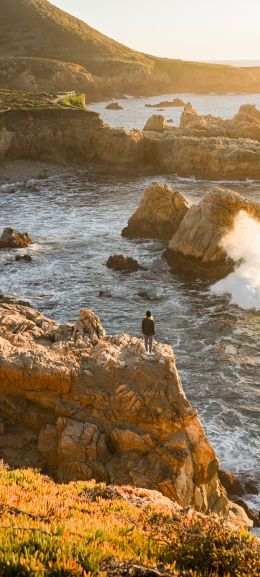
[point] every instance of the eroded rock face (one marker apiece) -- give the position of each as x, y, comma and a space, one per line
121, 262
156, 123
97, 409
159, 213
12, 238
196, 246
245, 124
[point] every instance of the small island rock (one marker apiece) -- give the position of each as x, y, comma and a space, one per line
114, 106
123, 263
12, 238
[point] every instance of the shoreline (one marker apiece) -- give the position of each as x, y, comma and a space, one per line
14, 171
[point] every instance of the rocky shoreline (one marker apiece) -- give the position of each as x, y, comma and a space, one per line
197, 148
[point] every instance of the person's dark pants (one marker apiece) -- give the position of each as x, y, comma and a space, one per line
148, 343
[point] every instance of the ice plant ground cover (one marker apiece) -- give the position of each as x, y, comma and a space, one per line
84, 528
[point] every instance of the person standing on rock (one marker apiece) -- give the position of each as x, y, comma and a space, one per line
148, 330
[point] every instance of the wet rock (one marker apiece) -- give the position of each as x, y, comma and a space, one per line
105, 294
196, 246
114, 106
156, 123
121, 262
23, 257
159, 214
12, 238
251, 513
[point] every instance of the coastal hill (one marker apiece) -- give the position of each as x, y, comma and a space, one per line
43, 47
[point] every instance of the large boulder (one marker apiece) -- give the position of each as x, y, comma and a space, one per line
196, 246
159, 213
156, 123
12, 238
96, 408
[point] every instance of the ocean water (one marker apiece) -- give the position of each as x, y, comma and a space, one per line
75, 221
135, 114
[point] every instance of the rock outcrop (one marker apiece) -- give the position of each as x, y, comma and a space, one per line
156, 123
245, 124
159, 213
121, 262
176, 102
12, 238
78, 136
196, 246
97, 409
114, 106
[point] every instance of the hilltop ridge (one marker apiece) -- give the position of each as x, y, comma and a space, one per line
41, 43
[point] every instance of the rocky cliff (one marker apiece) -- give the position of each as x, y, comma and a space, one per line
78, 136
94, 407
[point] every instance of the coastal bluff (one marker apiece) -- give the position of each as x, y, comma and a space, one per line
80, 137
86, 405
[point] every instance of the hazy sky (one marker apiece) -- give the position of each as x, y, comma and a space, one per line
187, 29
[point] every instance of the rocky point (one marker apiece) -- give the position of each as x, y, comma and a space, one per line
83, 404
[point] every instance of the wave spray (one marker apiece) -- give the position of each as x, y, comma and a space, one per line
242, 244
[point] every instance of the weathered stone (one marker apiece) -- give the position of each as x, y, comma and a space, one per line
156, 123
159, 213
196, 246
100, 410
12, 238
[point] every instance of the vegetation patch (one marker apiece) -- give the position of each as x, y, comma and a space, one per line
53, 530
17, 100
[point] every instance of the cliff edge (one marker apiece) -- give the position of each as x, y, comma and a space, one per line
86, 405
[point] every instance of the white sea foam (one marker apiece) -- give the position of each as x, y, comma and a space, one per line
242, 244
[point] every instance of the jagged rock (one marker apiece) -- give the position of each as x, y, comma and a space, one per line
114, 106
188, 114
123, 263
23, 257
159, 213
12, 238
196, 246
100, 410
156, 123
250, 110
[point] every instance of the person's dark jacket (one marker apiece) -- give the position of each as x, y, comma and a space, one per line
148, 327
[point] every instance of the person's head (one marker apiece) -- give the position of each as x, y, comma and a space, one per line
148, 314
